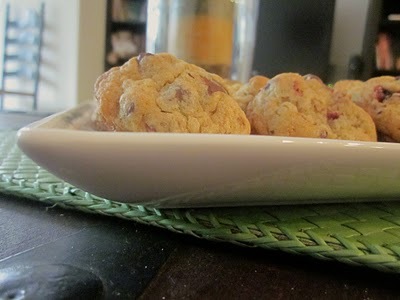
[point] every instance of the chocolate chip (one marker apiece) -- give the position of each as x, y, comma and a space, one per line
213, 87
143, 55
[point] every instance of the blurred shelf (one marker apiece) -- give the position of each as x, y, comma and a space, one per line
386, 73
125, 30
135, 26
389, 26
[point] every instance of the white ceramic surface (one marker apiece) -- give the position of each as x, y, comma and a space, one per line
189, 170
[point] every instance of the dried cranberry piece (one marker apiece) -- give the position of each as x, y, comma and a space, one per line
381, 94
297, 89
333, 115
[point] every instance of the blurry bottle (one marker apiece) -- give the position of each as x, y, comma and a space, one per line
217, 35
201, 32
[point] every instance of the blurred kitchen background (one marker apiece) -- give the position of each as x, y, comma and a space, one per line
83, 38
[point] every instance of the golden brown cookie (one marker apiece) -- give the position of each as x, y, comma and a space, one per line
303, 106
350, 88
289, 106
232, 85
349, 121
244, 93
380, 97
160, 93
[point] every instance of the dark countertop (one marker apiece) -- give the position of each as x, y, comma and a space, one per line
95, 256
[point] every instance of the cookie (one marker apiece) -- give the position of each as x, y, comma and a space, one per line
287, 106
349, 121
380, 98
352, 88
160, 93
232, 85
303, 106
244, 93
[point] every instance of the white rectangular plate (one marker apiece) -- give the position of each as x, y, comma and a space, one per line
192, 170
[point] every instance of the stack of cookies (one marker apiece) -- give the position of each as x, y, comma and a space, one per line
160, 93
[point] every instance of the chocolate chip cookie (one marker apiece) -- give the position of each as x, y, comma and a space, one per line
244, 93
160, 93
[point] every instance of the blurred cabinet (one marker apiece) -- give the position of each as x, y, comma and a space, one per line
125, 30
381, 51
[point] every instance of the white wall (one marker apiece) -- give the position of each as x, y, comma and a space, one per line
2, 17
73, 50
91, 46
60, 53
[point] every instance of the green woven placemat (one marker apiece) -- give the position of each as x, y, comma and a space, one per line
366, 234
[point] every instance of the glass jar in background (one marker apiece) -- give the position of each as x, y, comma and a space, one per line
201, 32
218, 35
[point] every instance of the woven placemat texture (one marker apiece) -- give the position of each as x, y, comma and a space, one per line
365, 234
